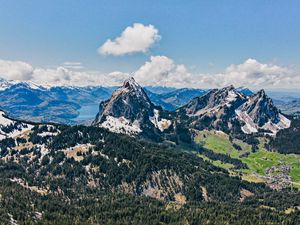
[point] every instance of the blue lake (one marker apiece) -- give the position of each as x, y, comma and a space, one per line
88, 112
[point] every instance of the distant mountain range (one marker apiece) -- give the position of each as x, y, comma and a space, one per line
220, 148
73, 105
29, 101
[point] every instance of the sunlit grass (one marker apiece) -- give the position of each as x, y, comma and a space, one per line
258, 162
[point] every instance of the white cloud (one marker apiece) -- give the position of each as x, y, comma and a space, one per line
138, 38
22, 71
159, 70
62, 76
15, 70
257, 73
73, 65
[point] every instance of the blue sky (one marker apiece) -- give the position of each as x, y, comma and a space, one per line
205, 36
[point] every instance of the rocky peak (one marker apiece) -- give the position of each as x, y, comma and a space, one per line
130, 111
214, 101
259, 112
261, 108
131, 83
131, 88
129, 101
261, 93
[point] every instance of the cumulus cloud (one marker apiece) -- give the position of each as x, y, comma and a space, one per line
15, 70
60, 76
159, 70
136, 38
257, 73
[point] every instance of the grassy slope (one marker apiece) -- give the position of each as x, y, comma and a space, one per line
257, 162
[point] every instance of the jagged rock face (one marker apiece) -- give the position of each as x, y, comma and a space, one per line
129, 101
227, 109
214, 101
259, 112
130, 111
216, 109
261, 109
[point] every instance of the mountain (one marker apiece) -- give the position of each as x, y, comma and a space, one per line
181, 96
29, 101
174, 98
259, 112
229, 110
73, 105
215, 109
130, 111
90, 175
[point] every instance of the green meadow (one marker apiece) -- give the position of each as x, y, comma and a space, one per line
258, 162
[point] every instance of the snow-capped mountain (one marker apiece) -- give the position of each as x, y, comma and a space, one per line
130, 111
259, 112
6, 84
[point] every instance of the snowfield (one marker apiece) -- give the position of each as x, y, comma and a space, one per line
121, 125
251, 127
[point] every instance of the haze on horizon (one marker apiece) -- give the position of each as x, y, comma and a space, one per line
200, 44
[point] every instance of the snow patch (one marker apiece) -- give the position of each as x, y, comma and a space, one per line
45, 134
251, 127
231, 96
5, 122
161, 124
121, 125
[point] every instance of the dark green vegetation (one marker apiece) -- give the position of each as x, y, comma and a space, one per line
288, 140
114, 160
97, 207
262, 165
87, 175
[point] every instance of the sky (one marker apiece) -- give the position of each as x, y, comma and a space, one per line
200, 44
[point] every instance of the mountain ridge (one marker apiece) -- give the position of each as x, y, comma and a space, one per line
220, 109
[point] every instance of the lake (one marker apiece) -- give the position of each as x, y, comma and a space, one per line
88, 112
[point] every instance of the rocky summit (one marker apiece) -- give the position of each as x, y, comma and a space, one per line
259, 112
130, 111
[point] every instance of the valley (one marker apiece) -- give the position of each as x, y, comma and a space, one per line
191, 165
260, 163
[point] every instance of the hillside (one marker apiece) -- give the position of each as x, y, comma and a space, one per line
138, 161
58, 165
